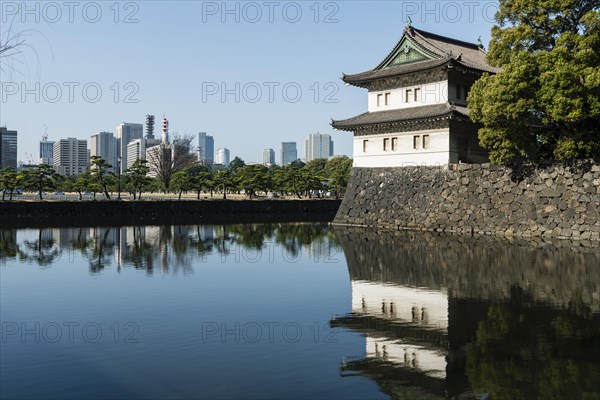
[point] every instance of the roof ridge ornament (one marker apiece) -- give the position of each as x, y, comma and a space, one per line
480, 43
408, 22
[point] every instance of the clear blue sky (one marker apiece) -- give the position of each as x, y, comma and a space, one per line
179, 52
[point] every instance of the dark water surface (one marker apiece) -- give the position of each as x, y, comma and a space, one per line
295, 311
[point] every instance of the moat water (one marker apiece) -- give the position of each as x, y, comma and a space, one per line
290, 311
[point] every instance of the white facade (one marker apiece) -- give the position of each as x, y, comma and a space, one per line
426, 147
318, 146
104, 144
126, 132
136, 149
223, 157
71, 157
409, 96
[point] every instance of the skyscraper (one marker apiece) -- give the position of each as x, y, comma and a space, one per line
71, 156
223, 157
8, 148
104, 145
318, 145
150, 126
269, 157
46, 151
206, 148
126, 132
289, 152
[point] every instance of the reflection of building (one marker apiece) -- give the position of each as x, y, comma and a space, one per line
426, 303
318, 146
8, 148
417, 108
71, 157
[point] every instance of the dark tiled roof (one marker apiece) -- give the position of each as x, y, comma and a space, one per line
446, 50
400, 116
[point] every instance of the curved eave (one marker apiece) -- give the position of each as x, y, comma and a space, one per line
364, 79
358, 123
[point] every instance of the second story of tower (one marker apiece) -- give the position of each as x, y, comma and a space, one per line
423, 69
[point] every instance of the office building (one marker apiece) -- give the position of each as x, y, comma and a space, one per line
289, 153
46, 155
8, 148
206, 148
136, 149
71, 156
223, 157
126, 132
318, 146
269, 157
104, 145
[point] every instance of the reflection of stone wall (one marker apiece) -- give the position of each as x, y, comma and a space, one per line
479, 267
553, 202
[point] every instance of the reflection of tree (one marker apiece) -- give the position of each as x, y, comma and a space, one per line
140, 253
293, 236
96, 250
41, 251
8, 244
535, 352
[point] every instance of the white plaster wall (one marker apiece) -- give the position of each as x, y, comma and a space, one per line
438, 152
395, 302
431, 93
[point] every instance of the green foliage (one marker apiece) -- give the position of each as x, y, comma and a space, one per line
545, 102
101, 174
137, 178
9, 181
39, 179
235, 164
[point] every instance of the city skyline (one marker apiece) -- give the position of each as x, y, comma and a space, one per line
207, 94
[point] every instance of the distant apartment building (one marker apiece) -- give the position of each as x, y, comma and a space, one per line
206, 149
289, 152
104, 145
269, 157
317, 146
8, 148
223, 157
46, 155
126, 132
71, 157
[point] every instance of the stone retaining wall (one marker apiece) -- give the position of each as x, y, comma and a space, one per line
556, 201
120, 213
